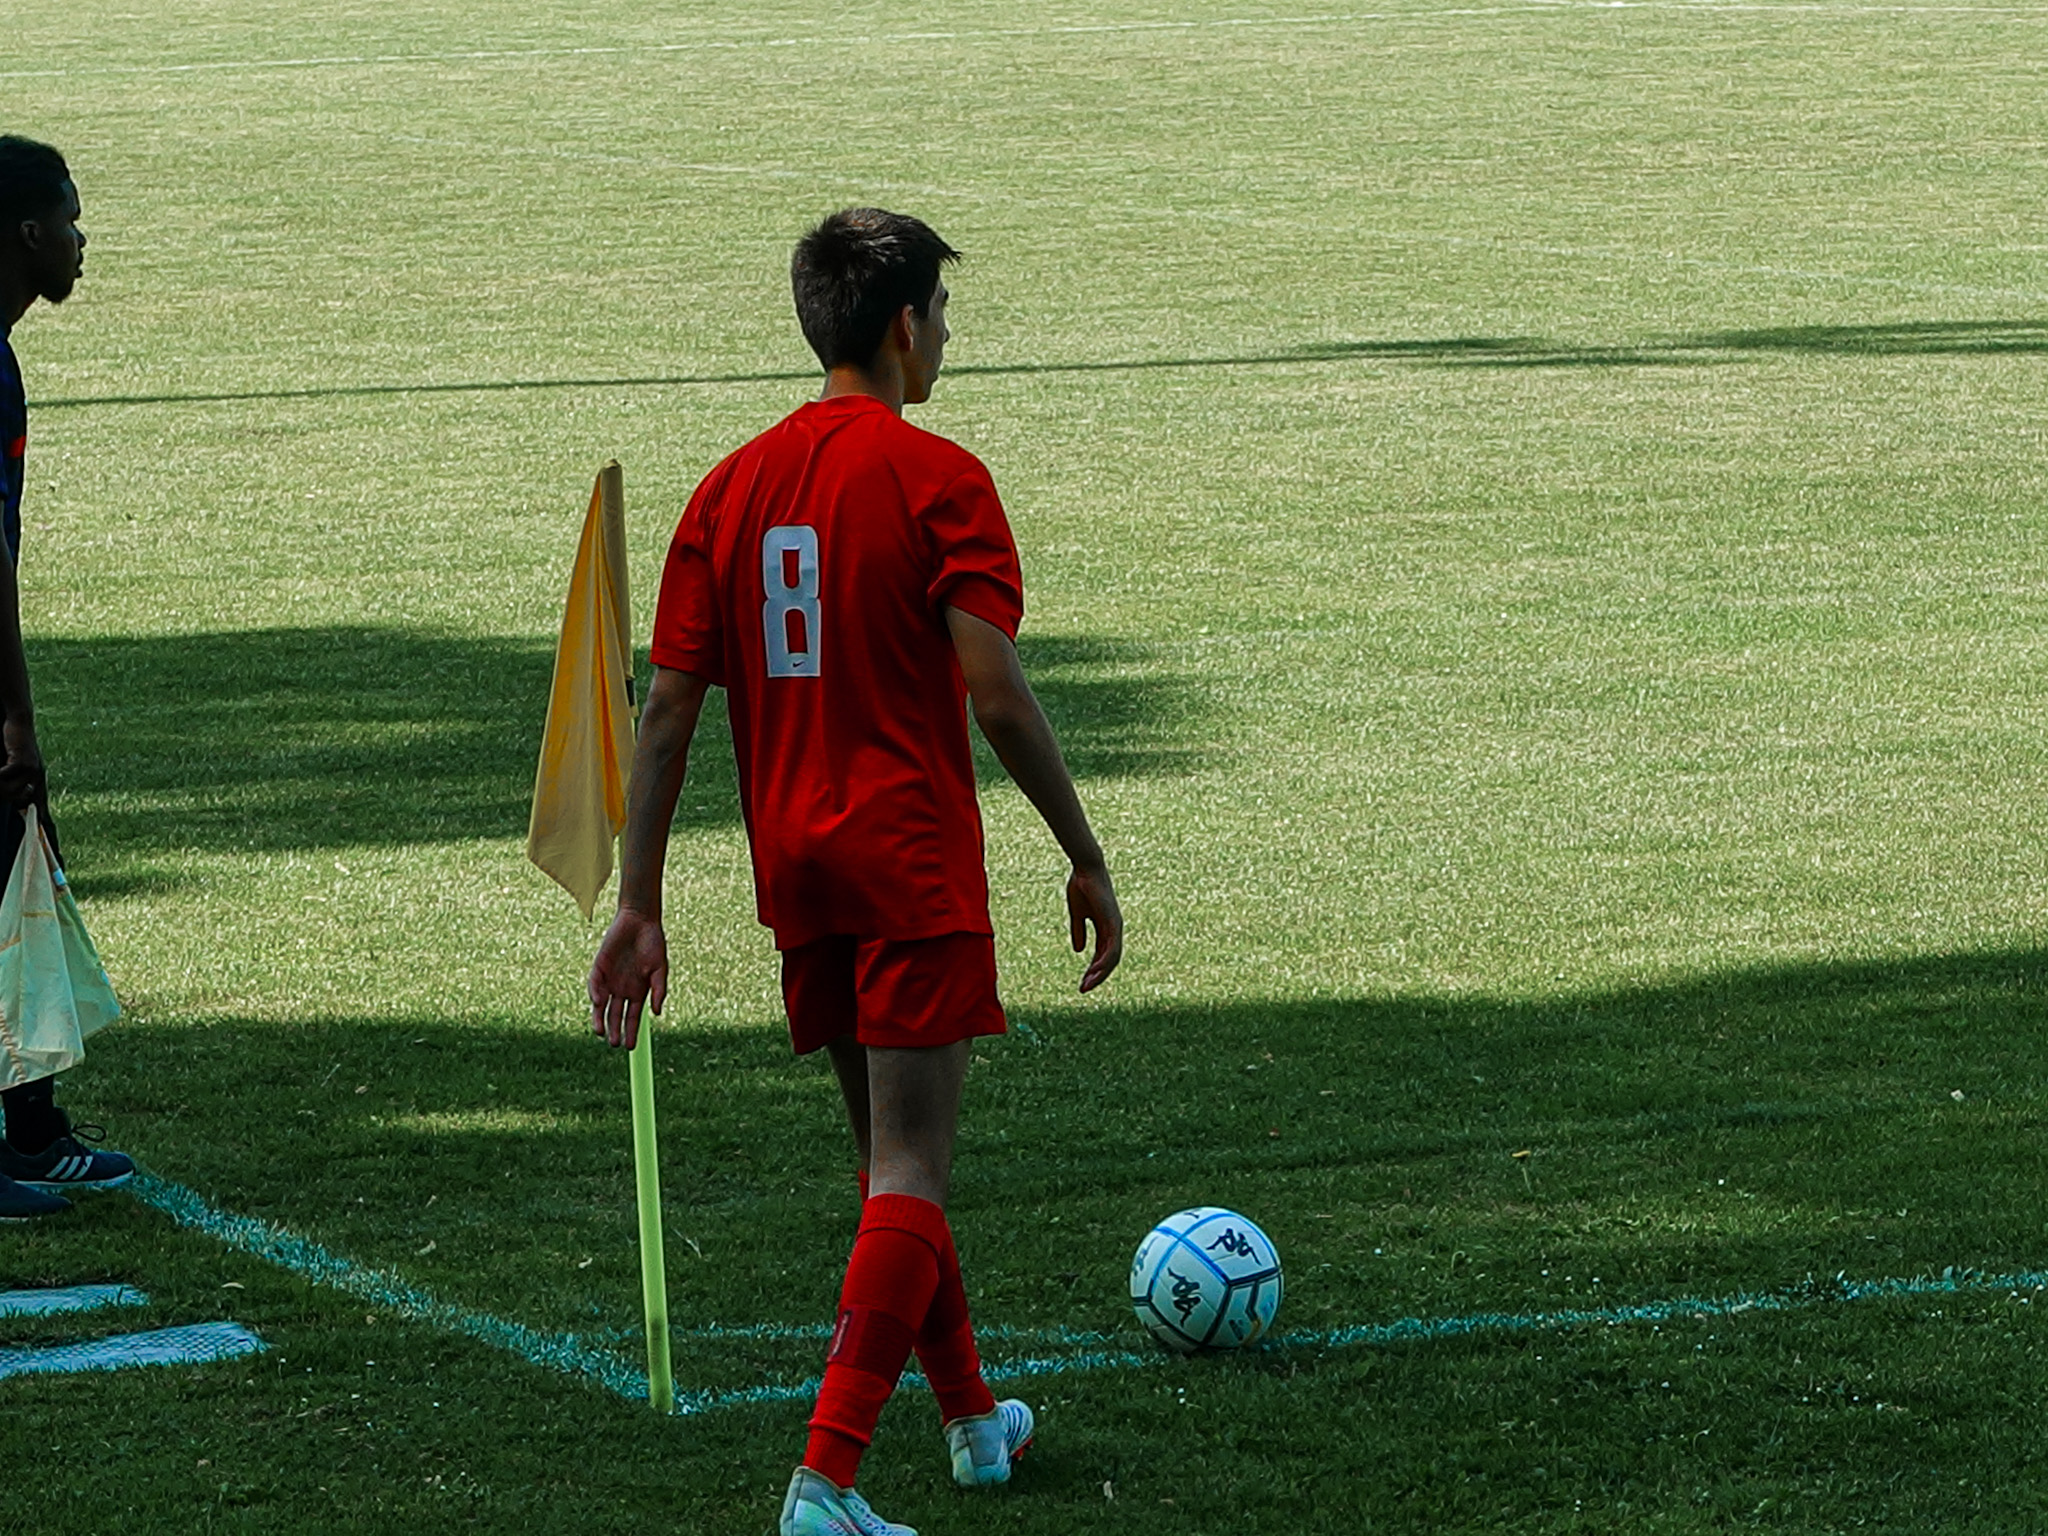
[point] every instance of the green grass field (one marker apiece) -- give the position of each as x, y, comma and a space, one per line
1533, 522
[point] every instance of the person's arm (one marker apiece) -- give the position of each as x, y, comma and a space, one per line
1009, 716
21, 773
23, 780
631, 967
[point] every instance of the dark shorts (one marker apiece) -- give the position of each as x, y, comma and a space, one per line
891, 992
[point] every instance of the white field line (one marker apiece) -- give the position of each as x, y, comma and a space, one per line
585, 1358
973, 35
191, 1344
582, 1357
74, 1298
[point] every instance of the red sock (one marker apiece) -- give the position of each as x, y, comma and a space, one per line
945, 1346
890, 1281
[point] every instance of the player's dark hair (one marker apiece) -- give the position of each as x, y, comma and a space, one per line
855, 272
32, 178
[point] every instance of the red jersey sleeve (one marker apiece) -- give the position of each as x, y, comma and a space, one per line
975, 566
688, 636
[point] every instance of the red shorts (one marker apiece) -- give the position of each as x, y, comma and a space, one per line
891, 992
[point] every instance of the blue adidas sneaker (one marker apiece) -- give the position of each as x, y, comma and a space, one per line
984, 1446
65, 1164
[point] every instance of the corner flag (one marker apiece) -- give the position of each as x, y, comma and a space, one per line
579, 808
586, 752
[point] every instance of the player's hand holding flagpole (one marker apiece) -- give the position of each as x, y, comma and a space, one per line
579, 808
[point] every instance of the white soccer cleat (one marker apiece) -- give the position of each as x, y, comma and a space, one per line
817, 1506
984, 1446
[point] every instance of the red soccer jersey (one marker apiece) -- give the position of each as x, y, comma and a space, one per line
810, 577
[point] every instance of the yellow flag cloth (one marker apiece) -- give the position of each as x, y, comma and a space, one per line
586, 753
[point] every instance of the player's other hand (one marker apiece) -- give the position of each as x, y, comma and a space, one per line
22, 780
631, 969
1091, 898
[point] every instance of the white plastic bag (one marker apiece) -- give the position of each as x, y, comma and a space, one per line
53, 989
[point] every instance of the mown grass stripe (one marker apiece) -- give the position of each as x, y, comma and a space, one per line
1003, 34
749, 44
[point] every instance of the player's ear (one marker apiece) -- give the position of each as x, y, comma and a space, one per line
903, 331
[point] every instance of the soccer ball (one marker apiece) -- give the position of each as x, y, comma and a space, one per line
1205, 1279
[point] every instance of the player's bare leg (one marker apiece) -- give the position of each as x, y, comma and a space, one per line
850, 1065
983, 1437
913, 1101
913, 1116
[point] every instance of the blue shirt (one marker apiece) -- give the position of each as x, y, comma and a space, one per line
13, 446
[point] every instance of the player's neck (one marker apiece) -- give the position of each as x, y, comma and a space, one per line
883, 383
15, 298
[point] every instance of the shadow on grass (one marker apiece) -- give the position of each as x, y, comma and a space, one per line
1968, 338
303, 738
1117, 713
1929, 338
1736, 1131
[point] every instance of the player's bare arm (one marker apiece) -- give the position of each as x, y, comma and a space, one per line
1010, 717
631, 968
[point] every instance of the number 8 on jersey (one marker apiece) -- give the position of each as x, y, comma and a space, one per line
789, 617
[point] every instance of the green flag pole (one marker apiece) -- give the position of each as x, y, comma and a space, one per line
661, 1387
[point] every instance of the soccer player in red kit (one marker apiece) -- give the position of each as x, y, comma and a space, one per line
851, 581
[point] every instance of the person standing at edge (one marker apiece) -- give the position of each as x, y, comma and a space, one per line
42, 256
851, 581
